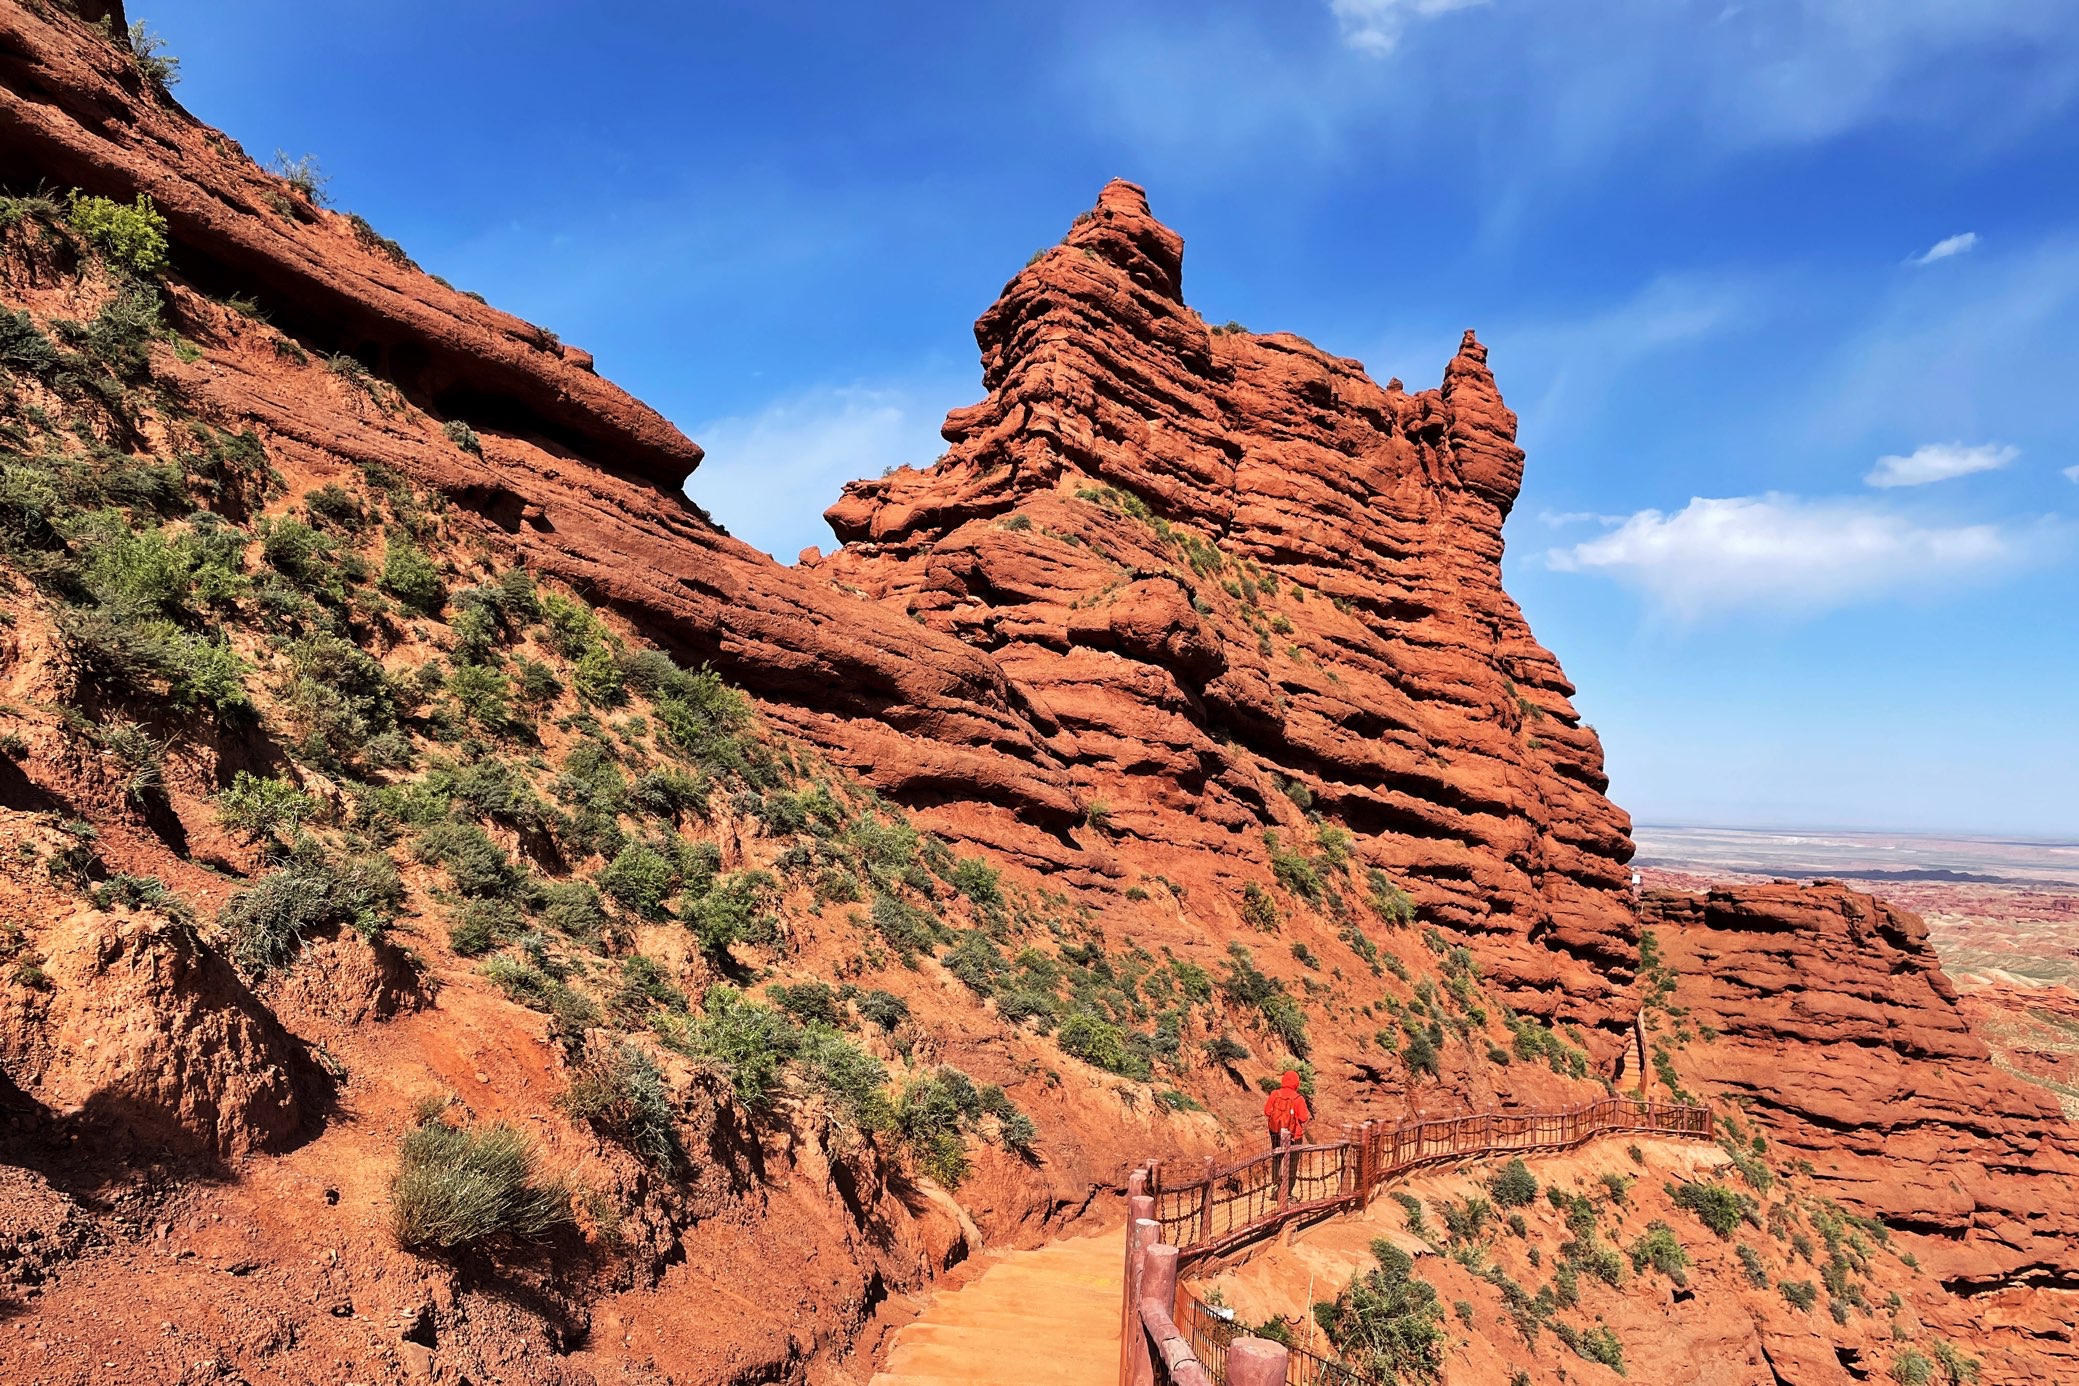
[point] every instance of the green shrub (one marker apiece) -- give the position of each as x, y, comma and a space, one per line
1420, 1056
477, 865
572, 908
1720, 1208
907, 929
937, 1112
457, 1188
747, 1041
978, 881
1659, 1249
1750, 1263
639, 879
481, 925
1294, 872
1912, 1368
1388, 900
622, 1093
854, 1081
1096, 1041
976, 961
1411, 1208
1387, 1321
411, 577
302, 174
811, 1003
735, 909
148, 51
132, 238
883, 1009
1513, 1185
1960, 1370
1465, 1221
1246, 985
268, 920
1597, 1344
1801, 1293
1259, 911
261, 807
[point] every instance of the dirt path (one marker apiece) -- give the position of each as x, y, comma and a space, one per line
1049, 1316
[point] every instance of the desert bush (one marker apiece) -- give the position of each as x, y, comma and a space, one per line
1259, 911
130, 237
572, 908
261, 807
1387, 1321
883, 1009
854, 1081
734, 909
410, 576
475, 864
1912, 1368
1959, 1369
1388, 900
1464, 1221
1801, 1293
1096, 1041
640, 879
1750, 1264
1720, 1208
148, 51
621, 1092
747, 1041
1659, 1249
314, 889
1513, 1185
302, 174
1294, 872
811, 1003
456, 1187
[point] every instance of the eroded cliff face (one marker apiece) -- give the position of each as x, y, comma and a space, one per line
1823, 1013
1222, 572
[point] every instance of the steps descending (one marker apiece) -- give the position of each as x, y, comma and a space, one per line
1049, 1316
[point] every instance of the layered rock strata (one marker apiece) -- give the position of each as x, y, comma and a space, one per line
1835, 1026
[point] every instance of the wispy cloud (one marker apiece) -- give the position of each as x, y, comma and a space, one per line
1785, 553
1939, 462
770, 474
2072, 473
1946, 247
1375, 26
1278, 87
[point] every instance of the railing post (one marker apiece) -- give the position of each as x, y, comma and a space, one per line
1255, 1362
1285, 1168
1205, 1204
1138, 1206
1158, 1282
1136, 1366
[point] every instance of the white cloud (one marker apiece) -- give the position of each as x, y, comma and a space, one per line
1946, 247
1939, 462
1785, 553
1375, 26
1526, 91
769, 475
2072, 473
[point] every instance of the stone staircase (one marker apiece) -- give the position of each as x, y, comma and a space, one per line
1048, 1317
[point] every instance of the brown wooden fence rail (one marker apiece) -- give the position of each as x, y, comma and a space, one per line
1168, 1336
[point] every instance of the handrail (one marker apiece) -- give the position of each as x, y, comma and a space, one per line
1227, 1206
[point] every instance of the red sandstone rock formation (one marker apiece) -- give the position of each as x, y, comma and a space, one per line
1838, 1030
1005, 679
1212, 564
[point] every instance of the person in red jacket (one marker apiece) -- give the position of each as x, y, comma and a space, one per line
1286, 1112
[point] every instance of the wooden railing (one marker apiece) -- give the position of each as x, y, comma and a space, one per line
1167, 1335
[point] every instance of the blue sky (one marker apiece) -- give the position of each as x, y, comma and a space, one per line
1784, 291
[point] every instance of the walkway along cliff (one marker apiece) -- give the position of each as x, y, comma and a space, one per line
397, 767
